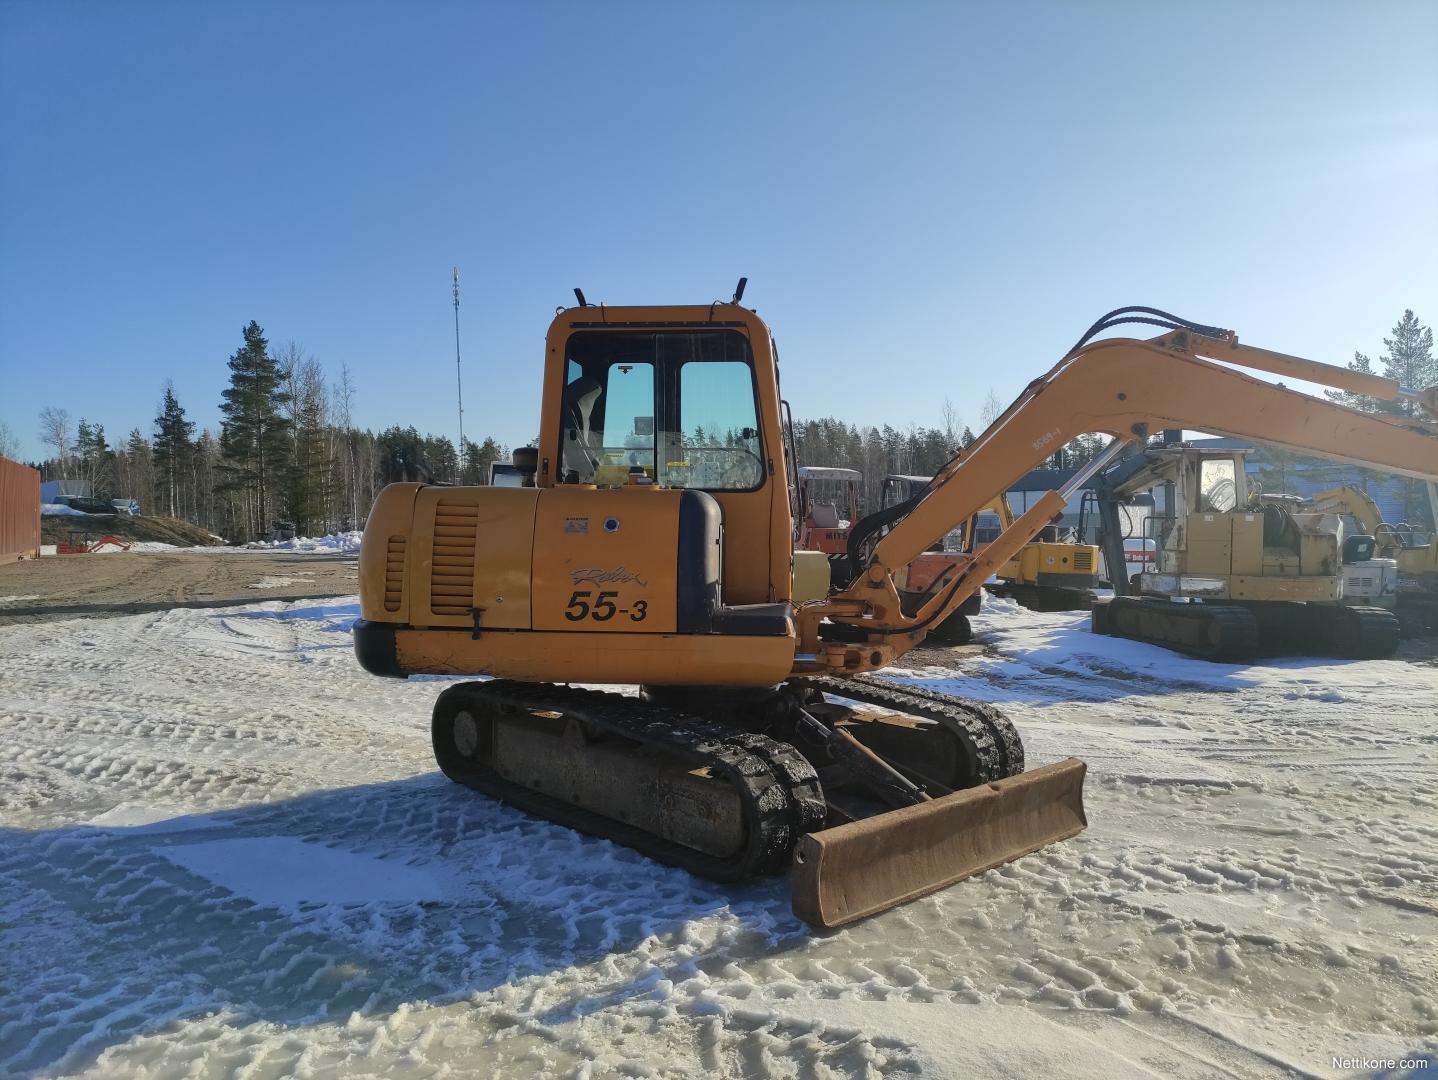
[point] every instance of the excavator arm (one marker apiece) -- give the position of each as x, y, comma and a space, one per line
1125, 388
1349, 500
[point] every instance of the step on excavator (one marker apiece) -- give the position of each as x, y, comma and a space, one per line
1275, 577
646, 552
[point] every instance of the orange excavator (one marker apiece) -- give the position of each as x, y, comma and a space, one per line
645, 550
828, 507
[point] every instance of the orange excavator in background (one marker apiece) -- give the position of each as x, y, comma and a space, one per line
828, 507
647, 552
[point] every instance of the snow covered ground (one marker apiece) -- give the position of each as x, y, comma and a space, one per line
224, 851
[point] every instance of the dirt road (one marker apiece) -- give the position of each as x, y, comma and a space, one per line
127, 584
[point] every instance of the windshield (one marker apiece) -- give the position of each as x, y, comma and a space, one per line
1218, 487
673, 407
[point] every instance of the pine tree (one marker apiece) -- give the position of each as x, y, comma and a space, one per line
137, 479
171, 453
255, 434
1364, 366
308, 486
211, 509
96, 459
443, 461
477, 459
1409, 360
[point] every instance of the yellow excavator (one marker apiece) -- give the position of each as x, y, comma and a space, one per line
1414, 548
653, 548
1274, 576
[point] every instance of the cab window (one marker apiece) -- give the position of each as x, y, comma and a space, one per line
674, 407
1218, 487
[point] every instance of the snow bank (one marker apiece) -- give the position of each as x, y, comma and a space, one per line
138, 545
337, 543
60, 510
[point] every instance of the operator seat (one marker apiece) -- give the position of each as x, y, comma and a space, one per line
579, 458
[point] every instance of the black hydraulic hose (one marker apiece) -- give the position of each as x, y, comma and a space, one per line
1136, 314
866, 527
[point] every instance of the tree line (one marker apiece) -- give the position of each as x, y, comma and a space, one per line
287, 452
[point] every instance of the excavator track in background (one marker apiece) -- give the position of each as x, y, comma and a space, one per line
723, 804
1360, 633
1235, 633
1044, 598
1223, 633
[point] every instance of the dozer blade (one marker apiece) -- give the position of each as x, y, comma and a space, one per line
863, 867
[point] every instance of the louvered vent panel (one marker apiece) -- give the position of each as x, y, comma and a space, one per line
1083, 561
451, 581
393, 573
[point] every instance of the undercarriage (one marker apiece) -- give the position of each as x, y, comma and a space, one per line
1235, 632
734, 785
1043, 597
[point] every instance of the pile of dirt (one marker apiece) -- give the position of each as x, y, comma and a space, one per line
166, 530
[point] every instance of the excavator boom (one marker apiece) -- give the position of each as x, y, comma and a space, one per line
1124, 388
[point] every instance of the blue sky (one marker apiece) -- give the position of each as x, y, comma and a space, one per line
929, 200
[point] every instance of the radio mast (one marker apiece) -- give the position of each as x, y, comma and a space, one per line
458, 375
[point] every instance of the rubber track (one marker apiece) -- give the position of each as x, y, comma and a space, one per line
778, 788
958, 718
1376, 634
1011, 745
1238, 641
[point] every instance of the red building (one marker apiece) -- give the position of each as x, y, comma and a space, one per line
19, 512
